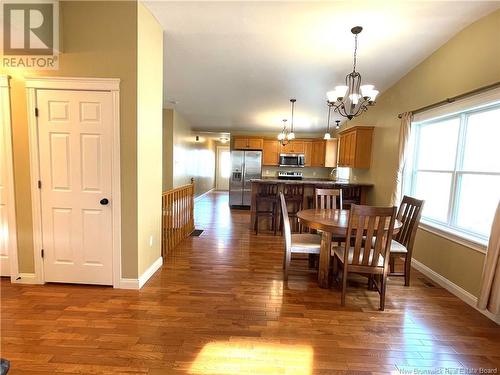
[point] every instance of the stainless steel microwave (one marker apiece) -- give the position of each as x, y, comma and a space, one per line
291, 160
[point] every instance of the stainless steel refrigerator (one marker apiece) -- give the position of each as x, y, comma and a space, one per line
245, 165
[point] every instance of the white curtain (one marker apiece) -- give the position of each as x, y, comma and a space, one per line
404, 139
489, 297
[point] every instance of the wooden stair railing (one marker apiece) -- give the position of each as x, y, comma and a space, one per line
177, 216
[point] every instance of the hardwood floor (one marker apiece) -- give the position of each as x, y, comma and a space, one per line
219, 306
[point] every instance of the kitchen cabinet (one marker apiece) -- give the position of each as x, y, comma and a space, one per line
293, 147
244, 143
307, 153
355, 147
331, 150
270, 152
318, 153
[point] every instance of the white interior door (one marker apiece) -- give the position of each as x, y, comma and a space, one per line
7, 210
75, 153
223, 168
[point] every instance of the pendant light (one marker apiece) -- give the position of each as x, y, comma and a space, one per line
337, 124
283, 136
327, 135
291, 135
352, 99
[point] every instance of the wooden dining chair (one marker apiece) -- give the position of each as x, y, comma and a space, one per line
409, 214
366, 257
327, 198
267, 196
302, 243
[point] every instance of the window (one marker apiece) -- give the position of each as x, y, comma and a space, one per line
454, 165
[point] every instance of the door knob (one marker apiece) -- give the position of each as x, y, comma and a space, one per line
104, 201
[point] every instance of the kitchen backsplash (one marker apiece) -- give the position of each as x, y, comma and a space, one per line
308, 172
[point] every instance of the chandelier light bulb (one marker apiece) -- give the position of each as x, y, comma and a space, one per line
327, 136
291, 136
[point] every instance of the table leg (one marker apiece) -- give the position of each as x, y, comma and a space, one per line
324, 260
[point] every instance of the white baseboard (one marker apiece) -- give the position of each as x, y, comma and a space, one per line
150, 272
139, 283
25, 278
453, 288
202, 195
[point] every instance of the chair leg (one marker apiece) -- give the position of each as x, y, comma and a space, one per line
392, 262
287, 265
274, 217
383, 283
344, 286
407, 270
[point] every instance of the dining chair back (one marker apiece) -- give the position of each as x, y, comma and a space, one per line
287, 231
304, 243
266, 205
327, 198
409, 214
358, 254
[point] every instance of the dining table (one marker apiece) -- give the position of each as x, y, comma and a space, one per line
331, 223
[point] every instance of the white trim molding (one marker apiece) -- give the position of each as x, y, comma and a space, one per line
6, 122
73, 83
453, 288
137, 284
111, 85
4, 81
25, 278
143, 279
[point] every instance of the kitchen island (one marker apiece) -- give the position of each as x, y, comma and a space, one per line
352, 192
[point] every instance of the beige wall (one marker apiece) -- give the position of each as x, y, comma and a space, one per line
467, 61
190, 158
149, 137
92, 47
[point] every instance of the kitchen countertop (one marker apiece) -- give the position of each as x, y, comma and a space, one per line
310, 181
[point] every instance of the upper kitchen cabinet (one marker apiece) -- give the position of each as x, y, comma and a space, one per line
270, 152
307, 153
246, 143
323, 153
318, 153
331, 151
355, 147
293, 147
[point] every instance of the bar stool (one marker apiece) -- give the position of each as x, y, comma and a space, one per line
294, 198
267, 195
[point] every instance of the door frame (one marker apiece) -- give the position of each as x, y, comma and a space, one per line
11, 214
111, 85
217, 167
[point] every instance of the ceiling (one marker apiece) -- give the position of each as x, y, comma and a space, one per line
235, 65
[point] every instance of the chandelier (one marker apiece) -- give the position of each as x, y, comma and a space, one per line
286, 136
352, 99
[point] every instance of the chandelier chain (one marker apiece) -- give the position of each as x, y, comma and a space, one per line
355, 51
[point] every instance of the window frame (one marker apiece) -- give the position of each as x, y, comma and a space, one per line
449, 228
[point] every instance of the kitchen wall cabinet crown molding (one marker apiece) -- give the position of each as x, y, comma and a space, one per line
355, 147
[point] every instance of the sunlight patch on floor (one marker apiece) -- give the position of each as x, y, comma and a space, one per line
252, 357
